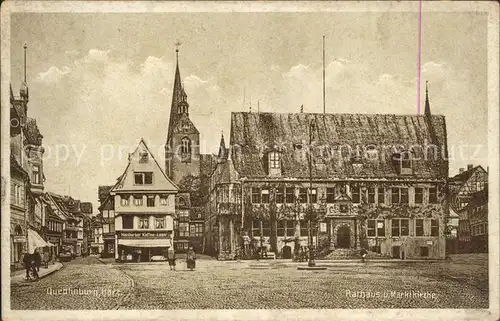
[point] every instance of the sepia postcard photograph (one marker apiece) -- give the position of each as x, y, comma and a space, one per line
250, 160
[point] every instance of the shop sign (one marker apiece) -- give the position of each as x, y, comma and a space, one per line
151, 234
429, 242
19, 239
322, 227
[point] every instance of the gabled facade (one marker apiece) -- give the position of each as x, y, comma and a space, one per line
467, 182
144, 208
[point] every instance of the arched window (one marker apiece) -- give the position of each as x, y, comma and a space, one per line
185, 146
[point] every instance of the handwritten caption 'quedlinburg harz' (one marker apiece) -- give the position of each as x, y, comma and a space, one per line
99, 292
391, 294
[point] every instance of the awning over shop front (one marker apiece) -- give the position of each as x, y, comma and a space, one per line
146, 243
34, 241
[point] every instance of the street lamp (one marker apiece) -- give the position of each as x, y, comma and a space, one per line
310, 263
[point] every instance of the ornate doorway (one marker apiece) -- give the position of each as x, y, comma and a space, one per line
344, 237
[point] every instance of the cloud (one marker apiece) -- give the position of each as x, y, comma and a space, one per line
53, 75
72, 53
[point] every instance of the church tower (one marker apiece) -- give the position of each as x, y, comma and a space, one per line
182, 150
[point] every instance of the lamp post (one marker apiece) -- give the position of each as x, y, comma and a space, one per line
311, 262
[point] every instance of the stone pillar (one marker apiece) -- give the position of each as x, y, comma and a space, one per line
332, 238
231, 234
117, 255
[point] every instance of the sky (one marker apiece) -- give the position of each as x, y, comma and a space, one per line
99, 83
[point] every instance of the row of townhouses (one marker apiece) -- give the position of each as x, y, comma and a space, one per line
286, 180
38, 219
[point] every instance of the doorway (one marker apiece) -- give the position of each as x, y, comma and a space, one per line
344, 237
396, 252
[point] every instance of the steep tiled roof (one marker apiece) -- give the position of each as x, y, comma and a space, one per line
103, 191
33, 135
464, 176
479, 198
254, 134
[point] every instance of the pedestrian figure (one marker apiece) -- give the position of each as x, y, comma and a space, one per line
46, 259
171, 258
364, 254
191, 259
38, 260
26, 263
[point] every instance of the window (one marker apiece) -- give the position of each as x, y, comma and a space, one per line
265, 196
355, 195
434, 227
17, 191
281, 228
376, 228
255, 195
185, 146
159, 222
399, 195
400, 227
419, 227
330, 195
303, 195
274, 160
137, 200
424, 251
304, 228
406, 160
266, 230
199, 230
285, 228
184, 229
371, 195
36, 174
128, 222
143, 178
111, 213
256, 228
150, 201
433, 195
192, 230
124, 200
381, 195
144, 222
314, 195
280, 195
419, 195
105, 213
289, 195
111, 228
290, 228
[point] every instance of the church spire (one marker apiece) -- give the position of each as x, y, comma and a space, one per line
179, 97
222, 156
427, 111
24, 85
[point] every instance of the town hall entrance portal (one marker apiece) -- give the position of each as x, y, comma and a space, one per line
344, 237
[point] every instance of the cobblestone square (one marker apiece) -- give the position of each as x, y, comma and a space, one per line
461, 283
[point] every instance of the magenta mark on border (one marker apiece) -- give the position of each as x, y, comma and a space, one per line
419, 54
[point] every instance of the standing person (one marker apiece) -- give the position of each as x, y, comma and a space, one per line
38, 260
364, 254
46, 259
191, 259
171, 258
26, 263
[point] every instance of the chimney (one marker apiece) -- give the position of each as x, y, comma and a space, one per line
460, 170
469, 166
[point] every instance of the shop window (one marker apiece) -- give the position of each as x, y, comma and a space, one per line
371, 195
419, 195
434, 227
424, 251
289, 195
150, 201
330, 195
303, 195
256, 196
127, 222
419, 227
280, 195
355, 194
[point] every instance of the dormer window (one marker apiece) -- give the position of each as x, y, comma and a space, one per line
406, 163
273, 163
274, 160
